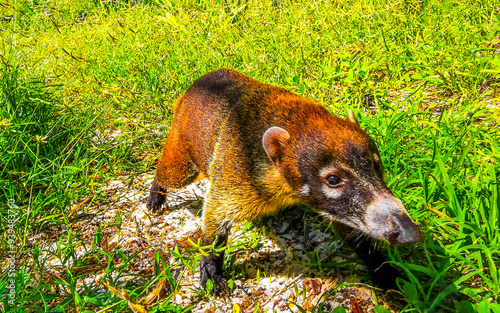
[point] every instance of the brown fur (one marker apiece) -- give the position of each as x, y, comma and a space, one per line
260, 146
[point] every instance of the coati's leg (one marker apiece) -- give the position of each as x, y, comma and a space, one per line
175, 170
383, 274
156, 197
211, 268
217, 223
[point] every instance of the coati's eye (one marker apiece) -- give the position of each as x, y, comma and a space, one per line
333, 180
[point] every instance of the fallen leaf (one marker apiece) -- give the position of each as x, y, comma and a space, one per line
155, 294
316, 286
355, 306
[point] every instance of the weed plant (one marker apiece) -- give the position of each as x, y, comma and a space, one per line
421, 75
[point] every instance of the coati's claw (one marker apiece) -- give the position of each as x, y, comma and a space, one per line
220, 286
211, 268
156, 197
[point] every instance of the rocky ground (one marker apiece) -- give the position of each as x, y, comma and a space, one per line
275, 265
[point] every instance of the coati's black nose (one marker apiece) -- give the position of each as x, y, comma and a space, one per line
403, 230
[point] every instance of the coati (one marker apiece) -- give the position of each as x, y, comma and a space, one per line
262, 148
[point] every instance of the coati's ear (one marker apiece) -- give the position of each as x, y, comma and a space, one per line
352, 118
274, 141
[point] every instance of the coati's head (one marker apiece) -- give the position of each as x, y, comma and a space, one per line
336, 169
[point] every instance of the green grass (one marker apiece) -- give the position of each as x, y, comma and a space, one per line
422, 76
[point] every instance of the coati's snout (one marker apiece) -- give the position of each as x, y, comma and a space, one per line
386, 219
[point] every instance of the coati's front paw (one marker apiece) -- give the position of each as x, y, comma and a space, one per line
156, 197
155, 201
211, 268
385, 276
